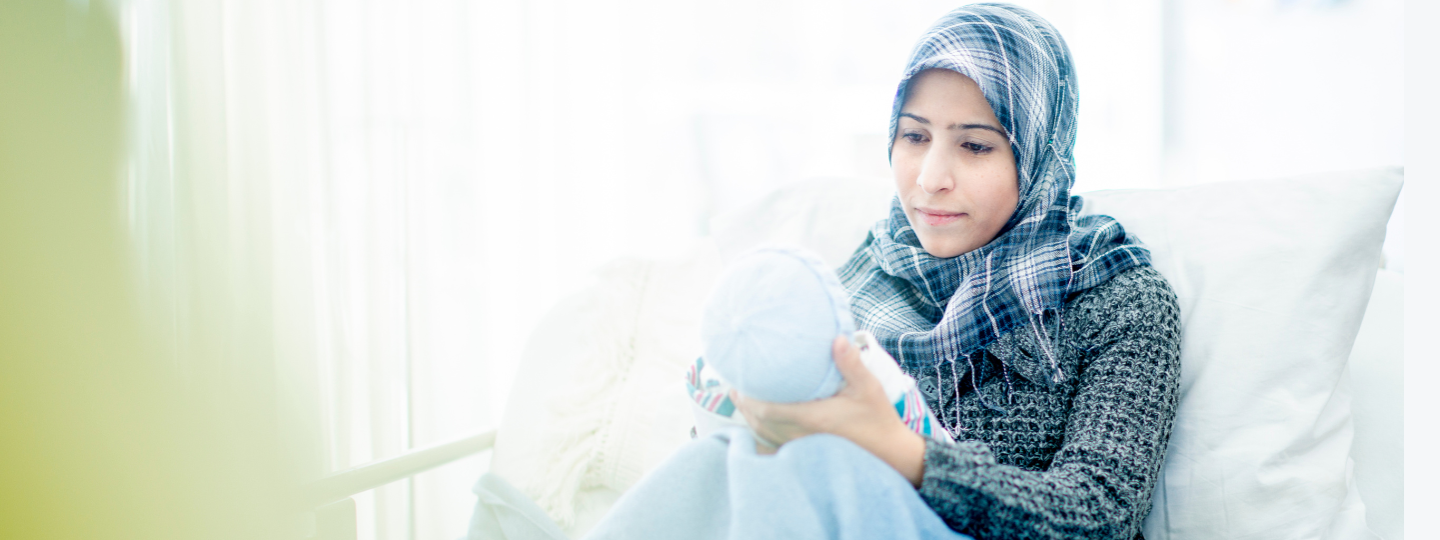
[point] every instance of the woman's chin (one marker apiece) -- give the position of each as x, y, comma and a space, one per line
942, 250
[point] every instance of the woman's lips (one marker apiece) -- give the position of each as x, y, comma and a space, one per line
936, 218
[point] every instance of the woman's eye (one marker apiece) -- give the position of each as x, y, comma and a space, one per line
975, 147
914, 138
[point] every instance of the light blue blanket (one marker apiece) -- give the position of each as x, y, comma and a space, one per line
717, 487
505, 513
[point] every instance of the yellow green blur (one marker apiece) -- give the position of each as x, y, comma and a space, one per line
101, 435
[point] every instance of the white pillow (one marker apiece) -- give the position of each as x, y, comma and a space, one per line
1273, 278
599, 398
1376, 369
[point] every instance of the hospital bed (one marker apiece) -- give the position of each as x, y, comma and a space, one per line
598, 400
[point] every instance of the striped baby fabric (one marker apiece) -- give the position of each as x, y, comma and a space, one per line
706, 390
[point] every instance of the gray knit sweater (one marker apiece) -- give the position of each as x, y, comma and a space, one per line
1078, 460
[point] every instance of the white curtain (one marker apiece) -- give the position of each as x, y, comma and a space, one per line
373, 201
305, 193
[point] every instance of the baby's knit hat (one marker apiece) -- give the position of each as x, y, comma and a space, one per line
770, 322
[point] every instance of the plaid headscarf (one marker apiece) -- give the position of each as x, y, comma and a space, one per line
928, 311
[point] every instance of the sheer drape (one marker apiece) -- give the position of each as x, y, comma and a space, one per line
305, 193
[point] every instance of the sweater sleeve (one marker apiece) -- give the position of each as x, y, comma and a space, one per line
1099, 483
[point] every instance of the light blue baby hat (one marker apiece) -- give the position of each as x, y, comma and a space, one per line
770, 322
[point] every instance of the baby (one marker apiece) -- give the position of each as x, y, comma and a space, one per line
767, 331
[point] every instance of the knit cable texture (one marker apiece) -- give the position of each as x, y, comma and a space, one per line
1076, 460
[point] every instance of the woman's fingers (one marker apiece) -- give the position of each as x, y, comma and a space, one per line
748, 410
763, 437
860, 412
755, 412
861, 405
779, 423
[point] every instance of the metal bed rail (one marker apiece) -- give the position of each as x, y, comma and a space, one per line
330, 496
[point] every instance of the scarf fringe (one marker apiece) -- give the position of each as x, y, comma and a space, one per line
1049, 347
1042, 337
975, 383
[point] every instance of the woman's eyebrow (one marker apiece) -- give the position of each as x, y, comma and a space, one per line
999, 131
926, 121
917, 118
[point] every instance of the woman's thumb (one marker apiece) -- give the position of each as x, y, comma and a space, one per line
847, 360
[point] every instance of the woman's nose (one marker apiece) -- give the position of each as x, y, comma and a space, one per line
936, 174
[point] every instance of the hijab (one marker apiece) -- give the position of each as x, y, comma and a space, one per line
930, 312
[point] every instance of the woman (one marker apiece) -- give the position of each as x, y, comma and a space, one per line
1045, 341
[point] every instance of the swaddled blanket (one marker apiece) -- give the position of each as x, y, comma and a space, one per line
820, 486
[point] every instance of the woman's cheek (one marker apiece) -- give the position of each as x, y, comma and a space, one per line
905, 175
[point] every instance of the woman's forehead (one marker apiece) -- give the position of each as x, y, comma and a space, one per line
945, 99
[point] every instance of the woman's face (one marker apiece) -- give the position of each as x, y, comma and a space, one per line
954, 169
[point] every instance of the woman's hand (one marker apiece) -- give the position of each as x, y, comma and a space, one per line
859, 412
